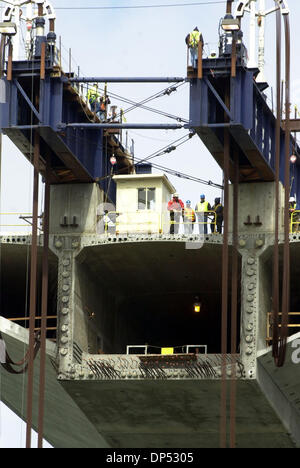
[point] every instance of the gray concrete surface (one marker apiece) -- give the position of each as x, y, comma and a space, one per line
175, 414
282, 386
65, 424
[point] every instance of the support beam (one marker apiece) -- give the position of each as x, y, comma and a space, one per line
92, 126
294, 125
21, 90
106, 79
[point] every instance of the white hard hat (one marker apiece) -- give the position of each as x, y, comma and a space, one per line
175, 195
292, 199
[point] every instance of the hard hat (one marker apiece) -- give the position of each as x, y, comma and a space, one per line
292, 199
202, 196
175, 195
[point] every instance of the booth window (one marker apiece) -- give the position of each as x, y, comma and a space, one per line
146, 198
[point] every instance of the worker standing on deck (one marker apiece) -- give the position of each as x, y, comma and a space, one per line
93, 96
176, 209
104, 102
189, 218
109, 220
192, 40
202, 209
217, 221
293, 215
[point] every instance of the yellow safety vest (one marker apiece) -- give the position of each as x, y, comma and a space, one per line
194, 39
202, 207
93, 94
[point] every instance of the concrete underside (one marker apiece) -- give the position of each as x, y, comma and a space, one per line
155, 284
158, 414
176, 414
282, 386
65, 425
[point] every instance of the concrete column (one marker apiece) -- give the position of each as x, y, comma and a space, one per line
250, 309
66, 248
74, 208
256, 233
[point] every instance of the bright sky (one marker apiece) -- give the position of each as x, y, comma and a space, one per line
139, 42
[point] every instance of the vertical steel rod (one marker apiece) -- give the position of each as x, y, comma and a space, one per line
33, 287
225, 258
200, 58
43, 61
286, 249
229, 7
234, 302
233, 58
9, 62
275, 304
45, 273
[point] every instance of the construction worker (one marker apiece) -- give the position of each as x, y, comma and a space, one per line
217, 221
176, 209
189, 218
202, 209
104, 102
93, 96
109, 220
192, 40
293, 215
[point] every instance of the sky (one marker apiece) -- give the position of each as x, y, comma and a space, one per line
138, 42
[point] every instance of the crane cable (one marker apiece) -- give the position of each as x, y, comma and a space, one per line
166, 169
135, 105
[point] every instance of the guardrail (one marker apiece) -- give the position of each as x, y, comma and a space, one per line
25, 217
295, 221
270, 325
155, 222
37, 328
149, 350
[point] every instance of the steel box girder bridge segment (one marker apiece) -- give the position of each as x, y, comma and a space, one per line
76, 144
228, 111
65, 129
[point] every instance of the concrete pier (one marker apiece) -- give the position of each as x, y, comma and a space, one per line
110, 291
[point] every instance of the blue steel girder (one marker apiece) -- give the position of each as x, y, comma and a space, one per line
48, 106
219, 101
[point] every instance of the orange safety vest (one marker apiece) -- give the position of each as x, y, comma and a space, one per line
189, 213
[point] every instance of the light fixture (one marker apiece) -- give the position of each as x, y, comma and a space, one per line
8, 28
293, 158
229, 23
197, 305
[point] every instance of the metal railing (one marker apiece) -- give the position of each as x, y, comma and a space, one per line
295, 221
290, 325
23, 218
154, 350
38, 328
155, 222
